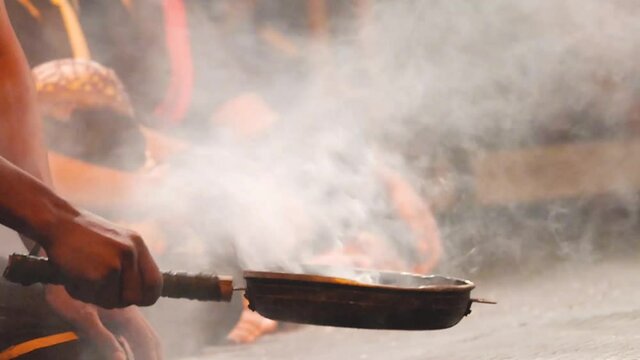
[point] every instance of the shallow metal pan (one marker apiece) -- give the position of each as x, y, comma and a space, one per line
387, 300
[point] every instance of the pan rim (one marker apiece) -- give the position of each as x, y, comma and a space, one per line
465, 285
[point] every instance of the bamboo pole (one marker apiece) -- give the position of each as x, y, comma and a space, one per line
77, 40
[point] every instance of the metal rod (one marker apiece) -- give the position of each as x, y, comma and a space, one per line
484, 301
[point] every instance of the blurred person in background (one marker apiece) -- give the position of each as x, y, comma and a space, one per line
248, 118
99, 152
236, 63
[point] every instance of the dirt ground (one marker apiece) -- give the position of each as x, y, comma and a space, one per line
568, 311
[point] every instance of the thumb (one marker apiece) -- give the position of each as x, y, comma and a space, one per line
126, 347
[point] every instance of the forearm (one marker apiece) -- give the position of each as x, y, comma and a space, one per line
418, 216
20, 129
27, 205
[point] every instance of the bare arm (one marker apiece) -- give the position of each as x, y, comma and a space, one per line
101, 263
27, 205
20, 134
418, 216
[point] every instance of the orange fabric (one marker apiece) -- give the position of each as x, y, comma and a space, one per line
89, 185
32, 9
36, 344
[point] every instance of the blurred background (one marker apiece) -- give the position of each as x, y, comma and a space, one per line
487, 140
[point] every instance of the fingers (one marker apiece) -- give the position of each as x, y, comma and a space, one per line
105, 293
141, 281
86, 321
131, 286
131, 325
104, 264
136, 281
126, 347
144, 343
120, 287
92, 328
82, 291
151, 278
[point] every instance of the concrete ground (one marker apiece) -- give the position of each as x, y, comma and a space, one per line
569, 311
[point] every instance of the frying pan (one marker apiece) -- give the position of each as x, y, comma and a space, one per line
354, 298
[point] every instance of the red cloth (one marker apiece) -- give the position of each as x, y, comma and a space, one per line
178, 96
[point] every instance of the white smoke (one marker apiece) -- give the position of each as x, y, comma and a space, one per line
419, 79
420, 82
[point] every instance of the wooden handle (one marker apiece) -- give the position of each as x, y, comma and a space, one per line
28, 270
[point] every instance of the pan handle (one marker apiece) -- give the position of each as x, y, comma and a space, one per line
483, 301
479, 301
28, 270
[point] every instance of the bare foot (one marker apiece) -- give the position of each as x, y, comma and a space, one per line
251, 326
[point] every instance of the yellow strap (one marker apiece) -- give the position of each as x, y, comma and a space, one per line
32, 9
36, 344
77, 40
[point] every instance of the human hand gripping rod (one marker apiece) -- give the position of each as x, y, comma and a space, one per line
28, 270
